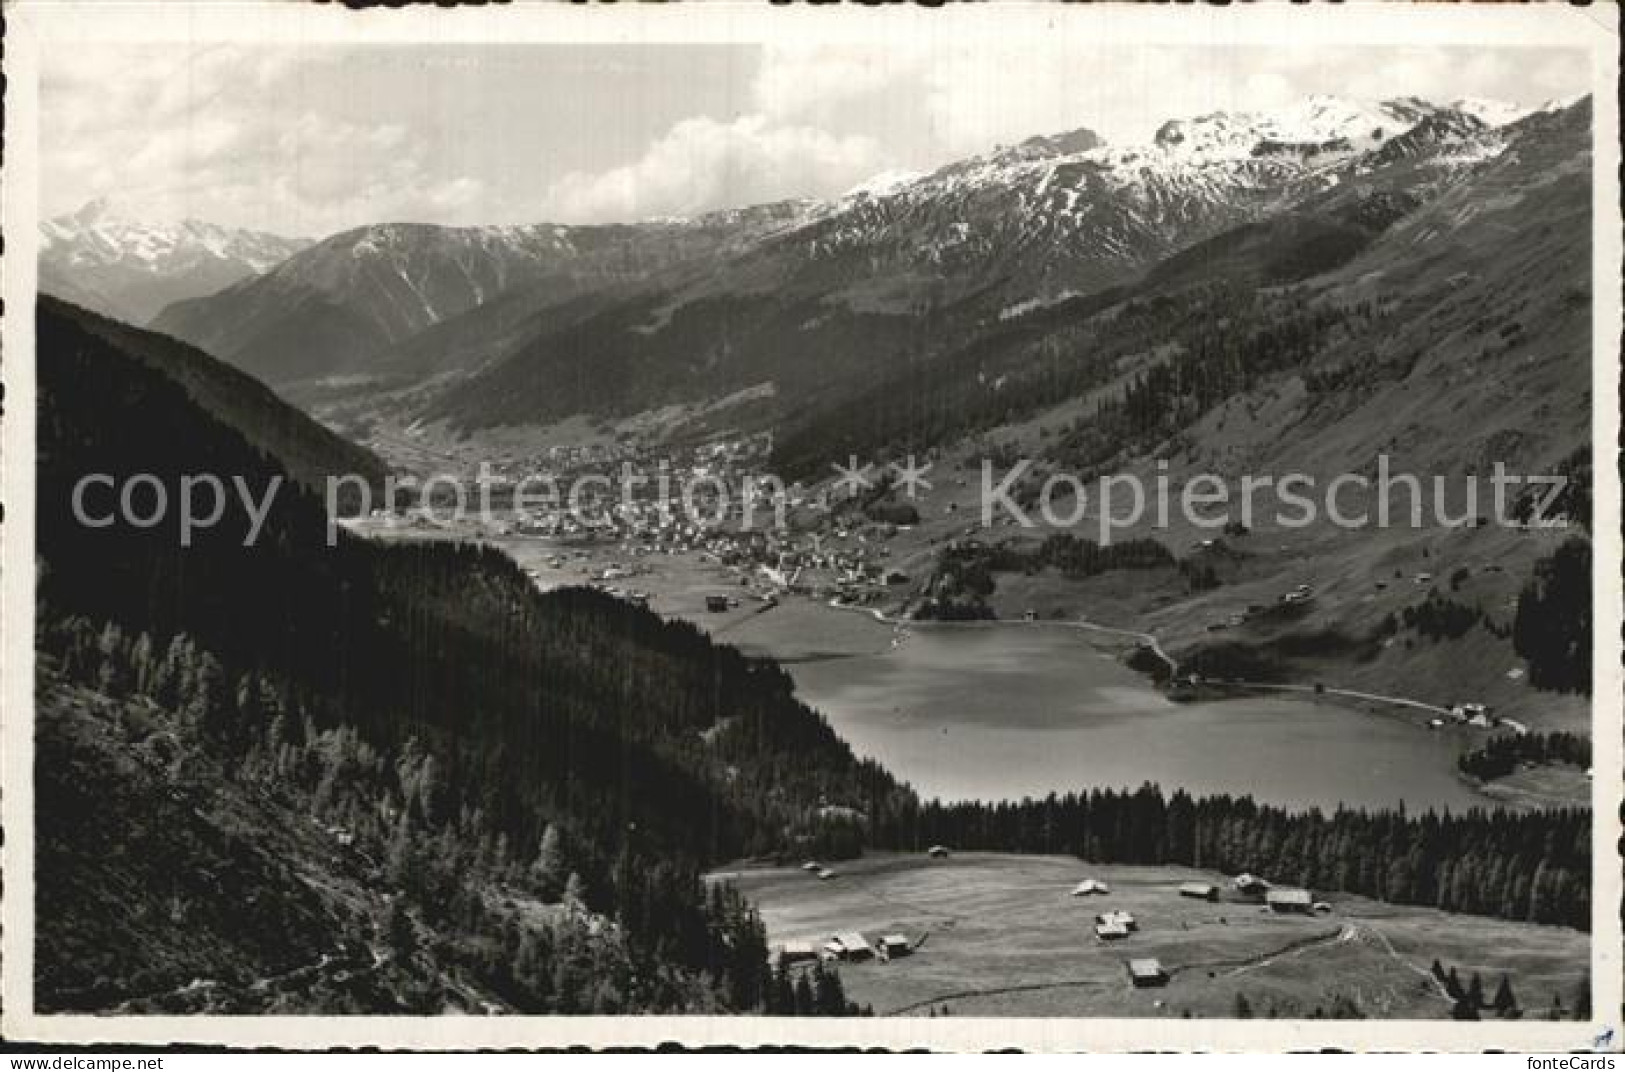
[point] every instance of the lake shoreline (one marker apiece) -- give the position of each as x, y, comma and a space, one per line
888, 711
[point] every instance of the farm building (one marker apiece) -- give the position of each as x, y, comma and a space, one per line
894, 945
1118, 918
850, 945
1202, 891
1290, 901
796, 952
1147, 971
1090, 886
937, 852
1182, 688
825, 874
716, 604
812, 865
1110, 932
1250, 885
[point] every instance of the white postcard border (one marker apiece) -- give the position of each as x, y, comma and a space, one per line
33, 26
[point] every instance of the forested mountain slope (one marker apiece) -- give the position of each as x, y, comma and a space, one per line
469, 745
310, 452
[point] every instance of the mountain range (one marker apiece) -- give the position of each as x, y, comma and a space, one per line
809, 303
104, 260
525, 325
352, 305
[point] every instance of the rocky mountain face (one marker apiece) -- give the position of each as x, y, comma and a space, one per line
102, 259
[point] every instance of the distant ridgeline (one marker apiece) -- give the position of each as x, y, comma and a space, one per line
475, 741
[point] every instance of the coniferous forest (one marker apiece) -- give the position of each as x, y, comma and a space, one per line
481, 746
428, 695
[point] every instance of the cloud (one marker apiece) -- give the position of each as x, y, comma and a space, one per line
313, 140
703, 163
820, 83
235, 136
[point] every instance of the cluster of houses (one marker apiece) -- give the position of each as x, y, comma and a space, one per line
1116, 925
1111, 925
847, 946
1478, 716
1281, 899
1299, 596
1471, 714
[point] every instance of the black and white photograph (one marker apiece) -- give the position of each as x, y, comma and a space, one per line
1018, 526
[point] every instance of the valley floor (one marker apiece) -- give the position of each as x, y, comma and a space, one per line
1122, 607
1000, 935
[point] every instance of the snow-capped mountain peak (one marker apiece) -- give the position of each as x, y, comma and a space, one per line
887, 182
103, 233
1492, 113
1073, 212
1316, 124
107, 258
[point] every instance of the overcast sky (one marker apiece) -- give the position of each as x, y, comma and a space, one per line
308, 142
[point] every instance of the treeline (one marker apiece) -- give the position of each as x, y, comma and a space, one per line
1438, 617
1470, 999
1471, 1002
649, 750
813, 991
1501, 755
1533, 867
1552, 628
1224, 357
1242, 337
963, 577
1220, 339
1572, 501
1077, 558
945, 389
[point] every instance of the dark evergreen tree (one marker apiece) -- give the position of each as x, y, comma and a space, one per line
1504, 1001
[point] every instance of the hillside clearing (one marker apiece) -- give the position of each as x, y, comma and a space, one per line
1000, 935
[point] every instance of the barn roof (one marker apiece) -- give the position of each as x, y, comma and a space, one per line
1145, 966
1293, 897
